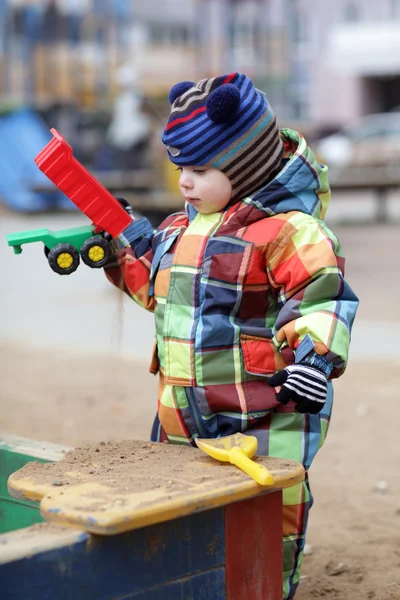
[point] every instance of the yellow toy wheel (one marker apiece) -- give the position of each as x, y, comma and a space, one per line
63, 259
95, 252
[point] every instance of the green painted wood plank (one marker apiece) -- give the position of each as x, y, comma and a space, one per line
15, 452
15, 516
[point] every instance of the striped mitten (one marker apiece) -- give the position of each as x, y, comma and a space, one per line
305, 385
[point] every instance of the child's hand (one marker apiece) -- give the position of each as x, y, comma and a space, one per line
126, 206
305, 385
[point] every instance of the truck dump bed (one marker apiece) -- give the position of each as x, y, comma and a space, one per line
90, 196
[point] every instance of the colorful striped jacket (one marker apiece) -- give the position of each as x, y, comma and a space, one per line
237, 295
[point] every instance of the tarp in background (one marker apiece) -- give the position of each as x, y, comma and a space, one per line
23, 134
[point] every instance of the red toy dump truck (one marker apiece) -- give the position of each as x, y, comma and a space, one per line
65, 247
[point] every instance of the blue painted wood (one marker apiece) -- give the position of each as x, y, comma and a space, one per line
204, 586
105, 568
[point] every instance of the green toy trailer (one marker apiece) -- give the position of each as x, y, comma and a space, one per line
64, 248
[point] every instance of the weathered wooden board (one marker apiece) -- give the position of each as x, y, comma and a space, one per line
124, 486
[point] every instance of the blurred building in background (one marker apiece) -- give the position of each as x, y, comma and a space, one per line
61, 49
355, 64
99, 71
320, 63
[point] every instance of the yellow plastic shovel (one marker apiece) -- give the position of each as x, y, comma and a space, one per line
237, 449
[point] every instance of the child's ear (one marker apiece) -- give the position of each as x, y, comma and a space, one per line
223, 103
178, 89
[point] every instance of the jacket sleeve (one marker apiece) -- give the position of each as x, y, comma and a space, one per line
137, 252
129, 267
316, 305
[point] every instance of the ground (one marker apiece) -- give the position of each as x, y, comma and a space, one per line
77, 397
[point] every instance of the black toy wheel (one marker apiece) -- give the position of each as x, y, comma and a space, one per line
46, 251
63, 259
95, 252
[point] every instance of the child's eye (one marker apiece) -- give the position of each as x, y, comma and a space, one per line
200, 171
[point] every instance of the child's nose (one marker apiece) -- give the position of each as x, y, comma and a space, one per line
185, 180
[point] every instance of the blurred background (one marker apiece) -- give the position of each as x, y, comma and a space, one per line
99, 71
74, 353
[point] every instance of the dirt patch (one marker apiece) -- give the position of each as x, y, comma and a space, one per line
72, 398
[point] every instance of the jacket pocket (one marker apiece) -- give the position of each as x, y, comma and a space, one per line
155, 361
260, 355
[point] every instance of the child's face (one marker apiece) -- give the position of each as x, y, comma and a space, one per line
208, 190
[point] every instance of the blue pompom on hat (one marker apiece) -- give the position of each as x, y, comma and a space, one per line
178, 89
223, 103
227, 124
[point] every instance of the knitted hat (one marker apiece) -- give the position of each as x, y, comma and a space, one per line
227, 124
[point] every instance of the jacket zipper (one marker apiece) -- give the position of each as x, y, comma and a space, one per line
195, 412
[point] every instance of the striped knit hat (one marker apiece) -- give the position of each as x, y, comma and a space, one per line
227, 124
